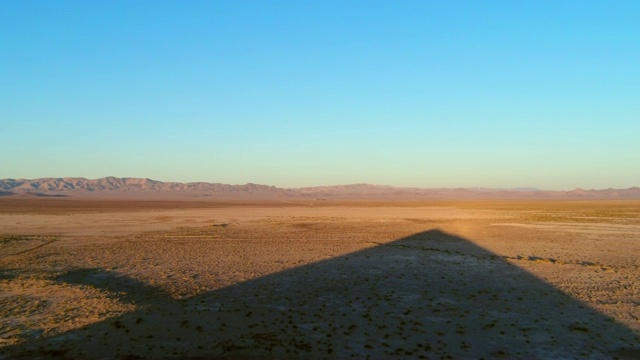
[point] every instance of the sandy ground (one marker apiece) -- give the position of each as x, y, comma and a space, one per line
310, 279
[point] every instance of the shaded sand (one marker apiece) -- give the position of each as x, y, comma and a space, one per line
124, 279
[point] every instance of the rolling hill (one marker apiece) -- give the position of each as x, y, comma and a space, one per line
113, 186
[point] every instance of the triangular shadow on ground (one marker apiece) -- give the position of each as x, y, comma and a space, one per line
429, 295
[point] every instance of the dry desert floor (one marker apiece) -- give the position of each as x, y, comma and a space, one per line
130, 279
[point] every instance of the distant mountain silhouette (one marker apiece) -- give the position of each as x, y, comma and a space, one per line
78, 186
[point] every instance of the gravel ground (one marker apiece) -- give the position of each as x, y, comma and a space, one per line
350, 280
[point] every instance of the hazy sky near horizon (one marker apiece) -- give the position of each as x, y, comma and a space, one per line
298, 93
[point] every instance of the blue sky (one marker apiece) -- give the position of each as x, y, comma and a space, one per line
299, 93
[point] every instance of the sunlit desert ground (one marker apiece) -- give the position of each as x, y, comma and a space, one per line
82, 278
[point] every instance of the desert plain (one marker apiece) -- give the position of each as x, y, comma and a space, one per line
84, 278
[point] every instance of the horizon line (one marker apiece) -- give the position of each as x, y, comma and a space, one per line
514, 188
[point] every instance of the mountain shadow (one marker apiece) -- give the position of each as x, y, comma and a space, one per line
429, 295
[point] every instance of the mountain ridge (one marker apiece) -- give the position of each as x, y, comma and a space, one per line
126, 186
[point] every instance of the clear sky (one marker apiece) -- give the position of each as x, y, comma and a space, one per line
297, 93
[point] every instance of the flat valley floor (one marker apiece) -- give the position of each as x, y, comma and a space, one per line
130, 279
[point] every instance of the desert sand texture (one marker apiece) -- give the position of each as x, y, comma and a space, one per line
129, 279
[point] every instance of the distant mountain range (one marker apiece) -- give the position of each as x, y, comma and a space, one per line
112, 186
